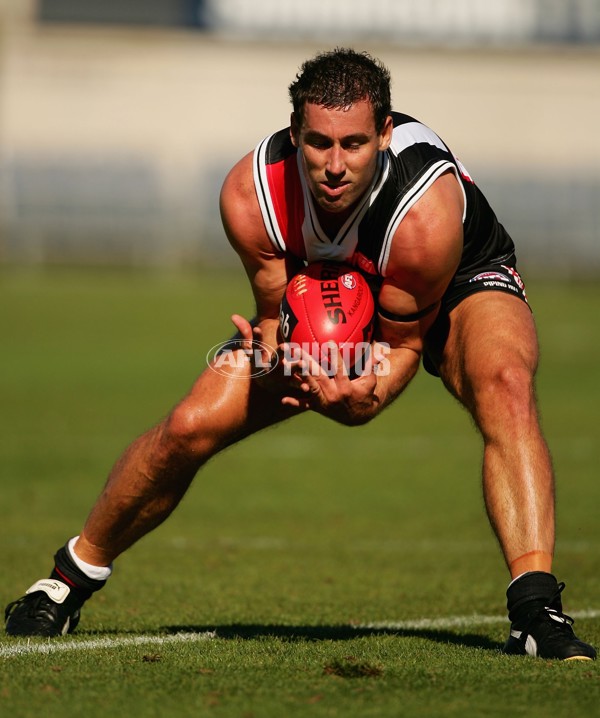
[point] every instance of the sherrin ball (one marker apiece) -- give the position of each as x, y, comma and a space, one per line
329, 303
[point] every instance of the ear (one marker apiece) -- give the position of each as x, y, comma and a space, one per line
385, 137
294, 130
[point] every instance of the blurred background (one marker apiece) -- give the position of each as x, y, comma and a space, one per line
120, 119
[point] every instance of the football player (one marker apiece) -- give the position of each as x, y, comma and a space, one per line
350, 180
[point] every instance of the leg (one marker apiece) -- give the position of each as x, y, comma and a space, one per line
151, 477
489, 363
142, 490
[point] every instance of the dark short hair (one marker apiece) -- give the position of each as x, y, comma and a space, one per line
339, 78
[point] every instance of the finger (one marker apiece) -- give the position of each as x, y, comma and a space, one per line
266, 352
258, 333
317, 386
244, 328
335, 366
311, 367
329, 358
302, 405
371, 363
292, 359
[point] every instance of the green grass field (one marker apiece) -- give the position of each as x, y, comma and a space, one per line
313, 570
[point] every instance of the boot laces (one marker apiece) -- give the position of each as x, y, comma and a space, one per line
552, 614
33, 602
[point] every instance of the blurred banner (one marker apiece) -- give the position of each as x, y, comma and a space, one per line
119, 120
446, 21
128, 12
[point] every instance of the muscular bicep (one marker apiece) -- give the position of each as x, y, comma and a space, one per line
242, 220
425, 254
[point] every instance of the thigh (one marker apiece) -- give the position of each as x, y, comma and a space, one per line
492, 278
487, 335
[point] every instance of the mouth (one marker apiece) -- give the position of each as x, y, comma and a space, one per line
333, 190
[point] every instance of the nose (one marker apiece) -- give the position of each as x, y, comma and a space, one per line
336, 166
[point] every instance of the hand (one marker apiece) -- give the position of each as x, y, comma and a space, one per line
252, 341
335, 395
267, 368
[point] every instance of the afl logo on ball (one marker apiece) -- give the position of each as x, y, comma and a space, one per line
349, 281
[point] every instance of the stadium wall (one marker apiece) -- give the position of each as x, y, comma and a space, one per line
114, 141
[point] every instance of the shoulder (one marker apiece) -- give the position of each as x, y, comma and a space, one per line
417, 154
410, 134
425, 252
427, 246
239, 184
239, 207
239, 191
240, 211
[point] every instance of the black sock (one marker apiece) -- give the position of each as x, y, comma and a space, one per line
67, 571
531, 592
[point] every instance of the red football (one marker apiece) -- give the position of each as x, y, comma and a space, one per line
329, 302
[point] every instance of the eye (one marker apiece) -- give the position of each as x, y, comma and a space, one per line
318, 144
354, 144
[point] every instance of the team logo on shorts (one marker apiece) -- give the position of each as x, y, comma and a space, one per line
516, 276
490, 277
504, 282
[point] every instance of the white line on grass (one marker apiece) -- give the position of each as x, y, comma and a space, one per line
419, 624
91, 645
454, 622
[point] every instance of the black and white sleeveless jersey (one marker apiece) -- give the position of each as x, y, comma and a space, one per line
414, 160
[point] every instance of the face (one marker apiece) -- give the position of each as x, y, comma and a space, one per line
339, 152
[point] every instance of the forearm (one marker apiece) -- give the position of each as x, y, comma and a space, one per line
393, 373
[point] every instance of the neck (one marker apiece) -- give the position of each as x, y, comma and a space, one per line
332, 222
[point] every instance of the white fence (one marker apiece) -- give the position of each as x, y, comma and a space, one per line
468, 22
414, 21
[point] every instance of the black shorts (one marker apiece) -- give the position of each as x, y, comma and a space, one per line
498, 276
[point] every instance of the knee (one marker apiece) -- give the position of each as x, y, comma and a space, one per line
187, 432
506, 393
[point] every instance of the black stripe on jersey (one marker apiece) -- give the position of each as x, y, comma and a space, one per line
280, 147
399, 118
274, 230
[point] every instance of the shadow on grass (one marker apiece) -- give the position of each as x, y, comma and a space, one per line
335, 633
